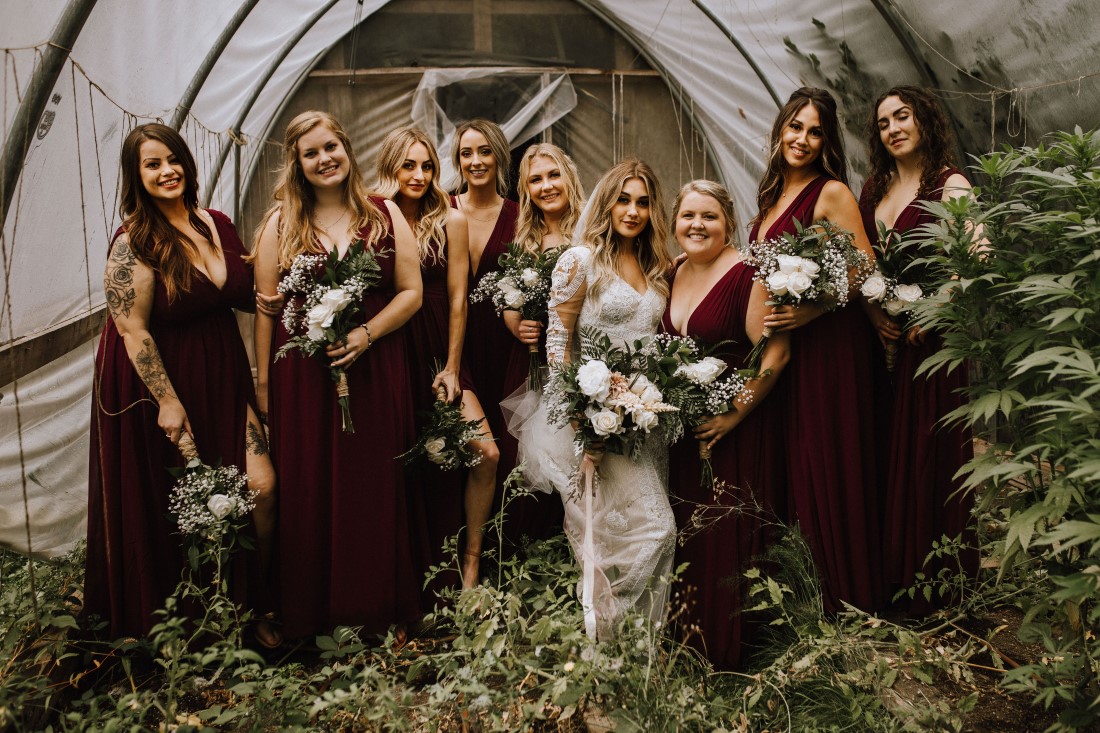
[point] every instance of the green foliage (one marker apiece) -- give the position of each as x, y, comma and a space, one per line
1022, 312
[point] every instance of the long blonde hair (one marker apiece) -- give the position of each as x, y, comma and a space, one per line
651, 243
434, 205
498, 143
531, 224
717, 192
295, 198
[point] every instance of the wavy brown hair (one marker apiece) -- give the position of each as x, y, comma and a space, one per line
937, 143
717, 192
295, 198
531, 224
651, 243
155, 242
434, 205
498, 143
830, 162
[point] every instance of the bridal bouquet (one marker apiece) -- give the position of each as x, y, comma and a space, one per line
690, 380
333, 289
445, 439
208, 503
610, 395
522, 284
885, 285
813, 265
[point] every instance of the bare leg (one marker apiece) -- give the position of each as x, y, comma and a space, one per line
480, 487
261, 478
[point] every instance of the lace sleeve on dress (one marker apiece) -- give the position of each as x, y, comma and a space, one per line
567, 290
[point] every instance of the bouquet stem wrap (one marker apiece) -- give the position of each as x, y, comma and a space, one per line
187, 447
343, 397
534, 376
891, 355
706, 468
752, 362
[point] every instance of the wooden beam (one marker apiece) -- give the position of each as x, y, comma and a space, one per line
35, 351
344, 74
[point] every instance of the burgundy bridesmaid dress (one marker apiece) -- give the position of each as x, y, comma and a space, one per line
435, 497
750, 461
345, 555
497, 362
135, 555
830, 429
921, 504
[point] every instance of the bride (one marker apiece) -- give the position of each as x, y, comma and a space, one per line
615, 283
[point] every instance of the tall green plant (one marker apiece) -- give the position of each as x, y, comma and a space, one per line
1022, 311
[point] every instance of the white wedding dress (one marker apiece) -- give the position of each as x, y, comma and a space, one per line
627, 556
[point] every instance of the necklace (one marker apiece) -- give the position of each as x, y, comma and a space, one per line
494, 207
325, 227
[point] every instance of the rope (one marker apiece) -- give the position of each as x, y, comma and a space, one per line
355, 23
15, 394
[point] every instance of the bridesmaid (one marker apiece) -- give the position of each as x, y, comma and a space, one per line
830, 424
170, 361
480, 154
550, 202
407, 174
714, 299
911, 163
343, 531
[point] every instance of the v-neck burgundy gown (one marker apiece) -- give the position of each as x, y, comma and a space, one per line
345, 556
436, 509
830, 429
750, 460
491, 354
135, 554
923, 455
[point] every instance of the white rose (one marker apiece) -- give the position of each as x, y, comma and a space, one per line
594, 379
434, 448
605, 422
645, 420
646, 390
336, 299
788, 263
909, 293
895, 307
809, 267
874, 287
513, 298
798, 283
320, 316
708, 369
220, 505
777, 282
315, 331
529, 277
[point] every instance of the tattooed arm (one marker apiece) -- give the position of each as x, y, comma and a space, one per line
129, 286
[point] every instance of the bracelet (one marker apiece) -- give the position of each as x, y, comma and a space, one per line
370, 340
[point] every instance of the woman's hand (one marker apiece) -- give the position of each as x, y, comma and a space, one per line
887, 327
716, 428
528, 332
916, 335
789, 317
344, 353
172, 419
270, 305
449, 381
